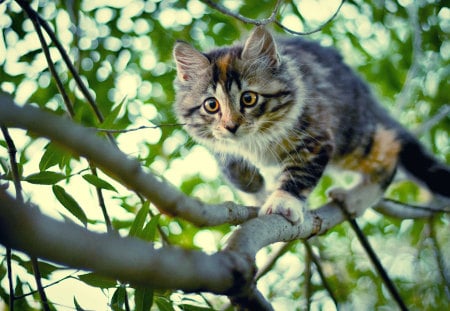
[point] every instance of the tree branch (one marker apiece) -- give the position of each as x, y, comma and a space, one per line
407, 211
377, 264
230, 271
271, 18
257, 22
126, 259
303, 33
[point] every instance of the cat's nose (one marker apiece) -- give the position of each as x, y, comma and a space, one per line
232, 127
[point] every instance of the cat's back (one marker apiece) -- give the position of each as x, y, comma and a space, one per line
298, 47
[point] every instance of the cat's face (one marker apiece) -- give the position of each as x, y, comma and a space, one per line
232, 95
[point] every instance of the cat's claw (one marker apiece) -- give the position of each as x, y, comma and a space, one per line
284, 204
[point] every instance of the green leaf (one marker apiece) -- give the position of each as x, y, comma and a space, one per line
139, 220
164, 304
45, 268
149, 231
108, 123
143, 298
186, 307
118, 298
77, 305
98, 182
69, 203
44, 178
51, 156
95, 280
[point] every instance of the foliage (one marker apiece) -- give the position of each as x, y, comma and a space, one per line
122, 51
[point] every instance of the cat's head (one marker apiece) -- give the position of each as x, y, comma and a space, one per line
233, 94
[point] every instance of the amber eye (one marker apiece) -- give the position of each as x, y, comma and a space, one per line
211, 105
249, 99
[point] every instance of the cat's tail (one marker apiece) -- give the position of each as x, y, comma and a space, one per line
424, 166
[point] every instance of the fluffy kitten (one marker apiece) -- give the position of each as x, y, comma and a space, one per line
287, 109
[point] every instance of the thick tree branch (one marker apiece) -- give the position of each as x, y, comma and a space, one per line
126, 259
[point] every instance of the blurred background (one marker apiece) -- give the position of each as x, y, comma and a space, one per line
122, 51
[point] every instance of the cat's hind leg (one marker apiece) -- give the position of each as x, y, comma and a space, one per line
377, 166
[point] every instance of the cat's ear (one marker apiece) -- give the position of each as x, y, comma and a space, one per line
190, 62
261, 44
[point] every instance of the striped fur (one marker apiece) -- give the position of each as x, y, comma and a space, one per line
277, 113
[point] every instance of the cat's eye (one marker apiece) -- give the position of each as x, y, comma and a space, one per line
249, 99
211, 105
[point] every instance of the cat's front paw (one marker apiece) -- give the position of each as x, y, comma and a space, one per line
285, 204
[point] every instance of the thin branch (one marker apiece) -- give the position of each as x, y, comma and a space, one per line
273, 259
441, 262
323, 278
405, 94
442, 113
35, 16
14, 172
402, 210
307, 276
303, 33
377, 264
40, 288
143, 127
10, 278
271, 18
257, 22
12, 163
19, 197
51, 66
46, 286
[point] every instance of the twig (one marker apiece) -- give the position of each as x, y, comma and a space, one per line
405, 93
46, 286
271, 18
143, 127
257, 22
10, 279
302, 33
307, 276
51, 66
402, 210
273, 259
18, 188
439, 258
377, 264
323, 278
442, 113
26, 7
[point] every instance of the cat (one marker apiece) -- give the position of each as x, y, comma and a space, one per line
276, 113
